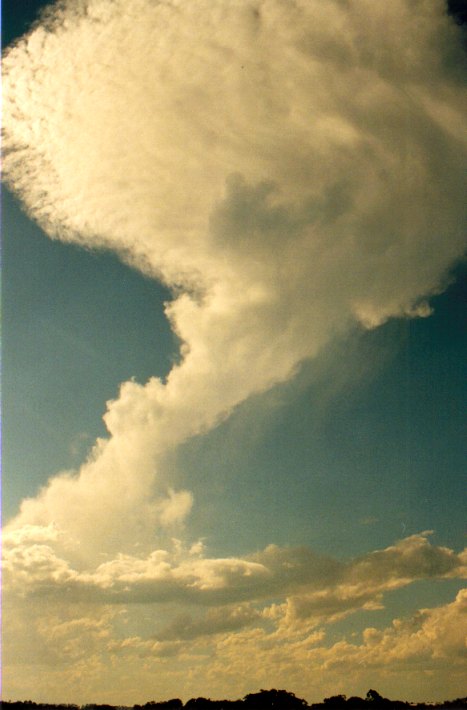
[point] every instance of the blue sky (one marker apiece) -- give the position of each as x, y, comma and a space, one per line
76, 323
258, 282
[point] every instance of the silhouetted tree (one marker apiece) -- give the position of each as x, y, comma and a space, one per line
198, 704
377, 700
263, 700
374, 697
173, 704
458, 9
274, 700
335, 701
355, 703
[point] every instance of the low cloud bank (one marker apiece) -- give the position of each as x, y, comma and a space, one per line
287, 169
194, 622
317, 586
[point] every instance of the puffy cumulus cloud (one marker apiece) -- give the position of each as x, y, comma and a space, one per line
55, 648
216, 621
364, 580
175, 507
316, 587
419, 647
200, 620
431, 633
419, 651
288, 169
409, 658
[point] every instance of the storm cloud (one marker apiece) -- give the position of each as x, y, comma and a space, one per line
288, 169
291, 170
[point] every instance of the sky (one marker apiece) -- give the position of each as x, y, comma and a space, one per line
234, 347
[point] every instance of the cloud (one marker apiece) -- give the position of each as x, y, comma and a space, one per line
200, 618
315, 586
226, 619
433, 633
182, 610
175, 507
408, 658
288, 170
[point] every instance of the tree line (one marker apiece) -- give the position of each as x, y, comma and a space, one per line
262, 700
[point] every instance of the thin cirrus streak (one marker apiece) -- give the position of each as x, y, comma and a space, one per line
288, 169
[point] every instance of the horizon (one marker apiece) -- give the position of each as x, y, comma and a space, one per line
372, 696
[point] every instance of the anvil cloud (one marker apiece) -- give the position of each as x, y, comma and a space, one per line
288, 169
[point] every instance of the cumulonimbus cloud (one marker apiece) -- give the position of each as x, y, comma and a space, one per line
288, 169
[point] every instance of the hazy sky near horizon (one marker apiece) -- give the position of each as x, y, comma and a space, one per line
234, 349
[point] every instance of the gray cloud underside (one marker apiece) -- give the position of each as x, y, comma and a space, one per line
317, 586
